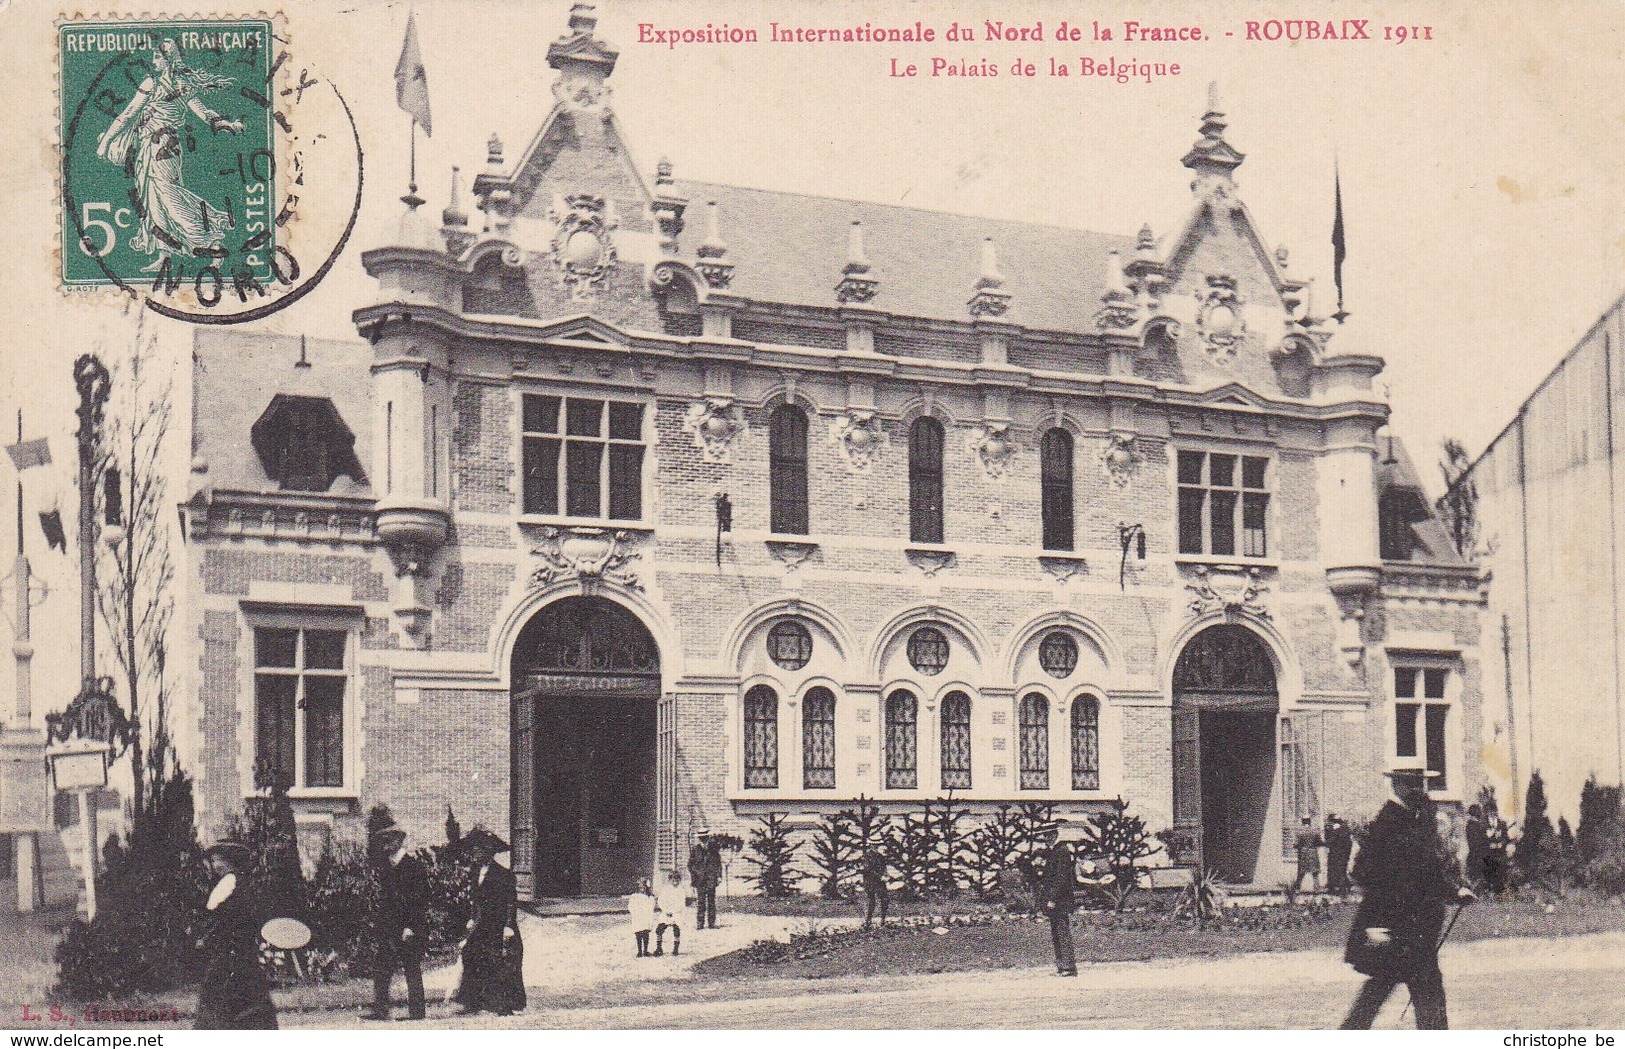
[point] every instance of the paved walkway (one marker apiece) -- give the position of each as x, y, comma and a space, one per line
570, 953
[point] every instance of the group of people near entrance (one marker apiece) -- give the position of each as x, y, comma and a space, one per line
1406, 871
666, 907
235, 993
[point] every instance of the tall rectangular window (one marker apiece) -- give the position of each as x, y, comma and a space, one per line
956, 741
1224, 504
301, 678
925, 440
1055, 494
818, 739
1085, 743
787, 470
761, 738
582, 457
1421, 722
1034, 742
902, 741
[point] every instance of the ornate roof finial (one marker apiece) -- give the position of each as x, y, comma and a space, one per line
1212, 158
712, 263
1147, 242
855, 285
583, 61
989, 299
493, 152
663, 172
1118, 308
454, 215
1281, 256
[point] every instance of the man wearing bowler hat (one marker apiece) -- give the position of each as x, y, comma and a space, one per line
400, 923
1408, 879
705, 874
1058, 894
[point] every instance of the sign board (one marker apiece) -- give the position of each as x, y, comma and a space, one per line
79, 766
25, 795
594, 684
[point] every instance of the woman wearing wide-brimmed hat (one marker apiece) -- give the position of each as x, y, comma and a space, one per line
234, 993
493, 977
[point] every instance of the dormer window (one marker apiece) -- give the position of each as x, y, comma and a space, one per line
303, 444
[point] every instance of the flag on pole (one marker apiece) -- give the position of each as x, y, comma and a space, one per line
1339, 247
50, 522
28, 454
412, 80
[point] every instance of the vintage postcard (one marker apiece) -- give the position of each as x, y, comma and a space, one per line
721, 514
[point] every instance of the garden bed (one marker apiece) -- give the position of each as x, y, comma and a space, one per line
970, 941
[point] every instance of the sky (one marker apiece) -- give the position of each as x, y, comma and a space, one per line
1482, 171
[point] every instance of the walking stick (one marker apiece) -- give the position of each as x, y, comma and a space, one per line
1437, 947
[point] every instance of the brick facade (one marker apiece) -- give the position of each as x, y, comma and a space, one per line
437, 584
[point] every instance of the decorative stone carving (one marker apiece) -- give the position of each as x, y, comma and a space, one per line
1350, 639
1219, 319
1118, 459
712, 256
857, 284
790, 553
587, 555
860, 438
989, 298
930, 562
1063, 567
582, 253
714, 423
1228, 590
993, 447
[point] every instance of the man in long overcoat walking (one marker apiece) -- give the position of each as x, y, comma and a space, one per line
1058, 897
400, 923
1409, 881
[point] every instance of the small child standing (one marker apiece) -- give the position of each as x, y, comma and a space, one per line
674, 913
641, 907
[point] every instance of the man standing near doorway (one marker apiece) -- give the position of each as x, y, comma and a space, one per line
1308, 847
1409, 881
705, 874
1339, 847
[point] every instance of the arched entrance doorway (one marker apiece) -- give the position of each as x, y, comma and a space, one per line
1225, 706
586, 685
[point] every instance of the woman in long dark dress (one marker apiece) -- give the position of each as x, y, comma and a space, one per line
234, 994
493, 954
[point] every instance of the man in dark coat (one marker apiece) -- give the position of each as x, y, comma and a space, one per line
234, 993
493, 977
875, 890
705, 874
1409, 880
1339, 847
400, 923
1058, 897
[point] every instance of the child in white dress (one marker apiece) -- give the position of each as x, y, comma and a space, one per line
641, 908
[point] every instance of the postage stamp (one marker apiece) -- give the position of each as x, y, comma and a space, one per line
168, 152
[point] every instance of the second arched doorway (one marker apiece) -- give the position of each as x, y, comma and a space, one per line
585, 690
1224, 718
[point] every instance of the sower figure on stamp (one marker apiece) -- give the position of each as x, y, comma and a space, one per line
1058, 896
705, 874
400, 922
1409, 881
875, 891
493, 952
234, 993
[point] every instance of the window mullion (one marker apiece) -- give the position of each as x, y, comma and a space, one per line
299, 711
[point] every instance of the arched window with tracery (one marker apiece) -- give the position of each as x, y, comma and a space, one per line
1034, 731
956, 741
1055, 469
761, 738
902, 741
818, 739
1086, 743
787, 470
925, 440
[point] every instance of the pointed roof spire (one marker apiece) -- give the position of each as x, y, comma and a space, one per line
584, 62
1212, 157
855, 284
713, 264
454, 215
990, 299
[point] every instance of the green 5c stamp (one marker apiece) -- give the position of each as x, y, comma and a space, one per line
168, 154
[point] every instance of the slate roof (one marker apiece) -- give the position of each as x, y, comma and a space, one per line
1433, 545
790, 248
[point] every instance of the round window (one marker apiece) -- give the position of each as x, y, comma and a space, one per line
1058, 654
928, 650
789, 644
